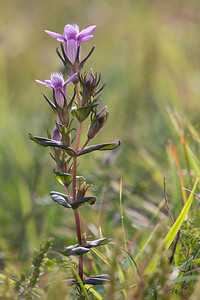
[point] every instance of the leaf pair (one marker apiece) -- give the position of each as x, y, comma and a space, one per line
45, 142
80, 250
62, 199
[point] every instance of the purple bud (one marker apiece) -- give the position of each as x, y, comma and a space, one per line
56, 134
98, 122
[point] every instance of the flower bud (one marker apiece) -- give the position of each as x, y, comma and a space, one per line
98, 122
56, 134
63, 115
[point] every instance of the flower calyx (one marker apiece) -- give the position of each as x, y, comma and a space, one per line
98, 121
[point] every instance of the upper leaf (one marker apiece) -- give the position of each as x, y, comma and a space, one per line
97, 280
74, 250
81, 201
101, 147
60, 199
96, 243
51, 143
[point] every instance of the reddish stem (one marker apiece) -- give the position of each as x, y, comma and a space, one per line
84, 146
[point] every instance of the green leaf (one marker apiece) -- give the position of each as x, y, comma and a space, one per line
50, 103
186, 278
51, 143
101, 256
174, 230
78, 278
83, 112
97, 280
81, 201
63, 178
129, 260
74, 250
96, 243
60, 199
101, 147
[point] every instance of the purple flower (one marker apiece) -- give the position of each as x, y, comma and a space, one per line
59, 86
72, 39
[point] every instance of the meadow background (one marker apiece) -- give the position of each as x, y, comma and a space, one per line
148, 53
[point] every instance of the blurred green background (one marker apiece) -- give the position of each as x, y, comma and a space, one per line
148, 52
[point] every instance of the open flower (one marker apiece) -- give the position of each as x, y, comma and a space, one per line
58, 84
72, 39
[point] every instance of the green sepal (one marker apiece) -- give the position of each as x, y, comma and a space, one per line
50, 103
101, 147
81, 201
60, 199
63, 178
51, 143
84, 60
96, 243
83, 112
60, 56
97, 280
74, 250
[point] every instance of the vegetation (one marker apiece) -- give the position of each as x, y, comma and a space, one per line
147, 190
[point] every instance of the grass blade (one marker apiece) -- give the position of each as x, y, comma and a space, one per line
173, 231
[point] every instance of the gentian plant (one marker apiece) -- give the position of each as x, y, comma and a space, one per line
71, 112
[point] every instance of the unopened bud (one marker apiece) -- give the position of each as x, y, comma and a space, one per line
98, 122
63, 115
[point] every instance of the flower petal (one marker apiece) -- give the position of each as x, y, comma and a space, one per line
70, 79
71, 48
56, 134
87, 38
70, 32
46, 83
85, 32
57, 36
57, 80
40, 82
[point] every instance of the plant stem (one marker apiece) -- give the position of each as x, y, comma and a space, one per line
77, 95
84, 145
74, 194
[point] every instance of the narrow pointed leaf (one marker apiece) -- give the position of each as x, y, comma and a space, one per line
101, 256
96, 243
51, 143
78, 279
84, 60
97, 280
173, 231
50, 103
101, 147
129, 260
60, 199
60, 56
81, 201
74, 250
